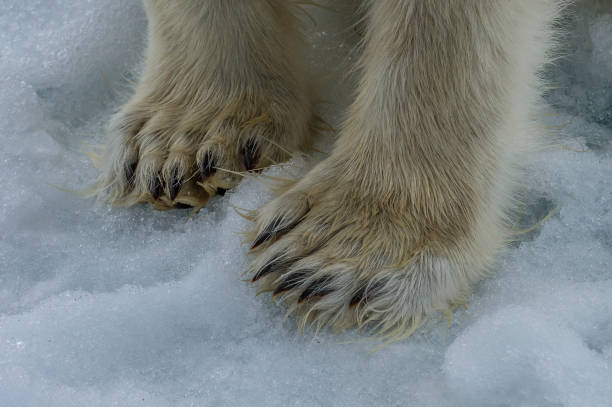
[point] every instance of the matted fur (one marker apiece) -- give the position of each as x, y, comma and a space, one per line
410, 208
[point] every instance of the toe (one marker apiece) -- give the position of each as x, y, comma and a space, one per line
156, 187
280, 217
130, 172
147, 181
290, 281
175, 182
279, 262
275, 229
217, 165
207, 165
317, 288
366, 292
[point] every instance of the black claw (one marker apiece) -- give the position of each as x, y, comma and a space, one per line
273, 231
318, 288
130, 171
291, 281
180, 205
279, 263
175, 184
358, 296
268, 232
250, 153
221, 191
207, 166
156, 187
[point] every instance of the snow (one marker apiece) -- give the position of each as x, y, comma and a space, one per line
133, 307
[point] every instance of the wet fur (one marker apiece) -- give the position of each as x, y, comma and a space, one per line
410, 208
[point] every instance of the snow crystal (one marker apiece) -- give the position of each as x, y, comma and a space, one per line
128, 307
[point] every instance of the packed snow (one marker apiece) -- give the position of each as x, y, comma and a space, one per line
133, 307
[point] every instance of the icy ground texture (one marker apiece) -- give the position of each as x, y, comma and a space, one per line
132, 307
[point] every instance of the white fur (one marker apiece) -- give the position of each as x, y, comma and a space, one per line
218, 73
412, 204
411, 207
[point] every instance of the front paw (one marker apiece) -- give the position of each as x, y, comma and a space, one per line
179, 153
340, 256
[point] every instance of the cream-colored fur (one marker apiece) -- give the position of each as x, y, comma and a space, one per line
222, 90
410, 208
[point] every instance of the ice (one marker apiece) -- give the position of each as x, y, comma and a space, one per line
583, 81
131, 307
520, 356
601, 34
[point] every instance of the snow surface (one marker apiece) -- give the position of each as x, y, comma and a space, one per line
133, 307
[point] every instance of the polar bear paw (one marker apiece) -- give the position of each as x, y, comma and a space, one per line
179, 154
341, 258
